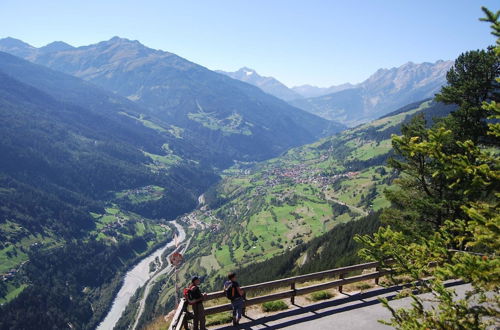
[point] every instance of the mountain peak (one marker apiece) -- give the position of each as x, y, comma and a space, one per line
409, 63
120, 40
13, 42
247, 71
269, 85
56, 46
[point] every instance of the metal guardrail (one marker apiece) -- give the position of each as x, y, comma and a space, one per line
180, 317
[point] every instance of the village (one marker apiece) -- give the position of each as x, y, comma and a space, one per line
303, 174
273, 177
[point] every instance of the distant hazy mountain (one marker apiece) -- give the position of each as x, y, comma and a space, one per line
383, 92
269, 85
227, 115
314, 91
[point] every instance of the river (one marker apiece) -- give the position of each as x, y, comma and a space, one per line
133, 280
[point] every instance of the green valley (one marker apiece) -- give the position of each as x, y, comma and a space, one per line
259, 211
128, 171
281, 211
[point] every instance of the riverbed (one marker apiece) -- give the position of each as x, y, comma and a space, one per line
133, 280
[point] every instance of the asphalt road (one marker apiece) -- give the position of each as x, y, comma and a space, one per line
357, 311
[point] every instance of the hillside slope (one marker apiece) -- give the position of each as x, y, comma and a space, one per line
260, 211
80, 175
223, 114
93, 122
282, 202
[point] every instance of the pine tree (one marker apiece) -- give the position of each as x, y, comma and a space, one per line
452, 183
471, 81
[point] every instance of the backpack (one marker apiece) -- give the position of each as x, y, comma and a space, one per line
230, 290
187, 294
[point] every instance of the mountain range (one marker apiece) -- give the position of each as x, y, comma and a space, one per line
223, 115
269, 85
190, 96
102, 144
83, 189
352, 104
94, 125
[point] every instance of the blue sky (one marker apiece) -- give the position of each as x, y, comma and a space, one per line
310, 41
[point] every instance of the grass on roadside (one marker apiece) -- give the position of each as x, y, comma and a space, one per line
220, 318
321, 295
273, 306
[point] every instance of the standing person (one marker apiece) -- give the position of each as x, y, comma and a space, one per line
236, 294
195, 299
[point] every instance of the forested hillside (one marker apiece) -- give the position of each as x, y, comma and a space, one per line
75, 170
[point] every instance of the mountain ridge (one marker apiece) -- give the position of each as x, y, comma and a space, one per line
384, 91
227, 115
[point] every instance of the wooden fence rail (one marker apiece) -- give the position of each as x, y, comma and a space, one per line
180, 317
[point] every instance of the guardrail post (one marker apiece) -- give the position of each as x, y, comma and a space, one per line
377, 269
292, 298
341, 276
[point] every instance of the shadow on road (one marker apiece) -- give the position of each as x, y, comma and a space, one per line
360, 298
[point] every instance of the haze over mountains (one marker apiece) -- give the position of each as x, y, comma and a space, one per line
190, 96
307, 91
268, 84
384, 91
223, 114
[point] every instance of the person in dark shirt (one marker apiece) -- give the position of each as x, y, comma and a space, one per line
196, 301
236, 294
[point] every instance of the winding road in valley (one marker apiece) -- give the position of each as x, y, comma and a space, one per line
136, 278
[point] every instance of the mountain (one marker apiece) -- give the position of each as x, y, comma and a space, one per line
352, 104
86, 183
93, 115
383, 92
56, 46
307, 91
268, 84
224, 115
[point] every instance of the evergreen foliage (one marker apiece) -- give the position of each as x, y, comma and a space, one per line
445, 220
